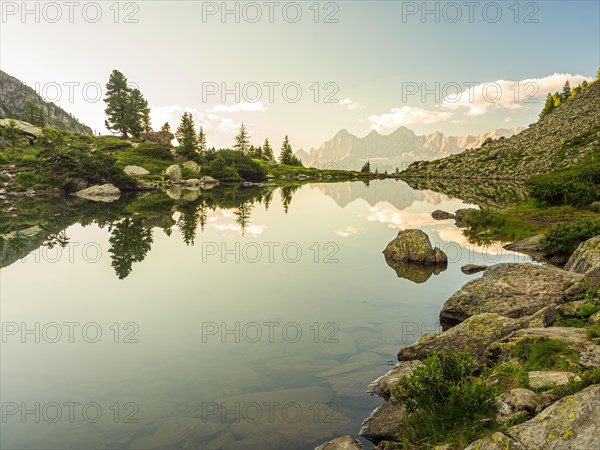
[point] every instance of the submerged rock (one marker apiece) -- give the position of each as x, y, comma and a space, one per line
341, 443
209, 180
460, 215
473, 268
414, 246
438, 214
476, 333
570, 423
101, 193
512, 290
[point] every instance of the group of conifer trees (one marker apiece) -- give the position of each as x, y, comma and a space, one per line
126, 109
554, 101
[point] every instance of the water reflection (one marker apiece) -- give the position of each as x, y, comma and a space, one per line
131, 220
174, 373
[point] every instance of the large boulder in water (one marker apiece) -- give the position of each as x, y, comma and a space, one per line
173, 173
414, 246
103, 193
509, 289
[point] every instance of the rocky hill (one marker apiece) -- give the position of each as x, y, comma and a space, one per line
559, 140
391, 151
14, 95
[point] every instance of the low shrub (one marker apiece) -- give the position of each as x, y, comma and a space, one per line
563, 238
445, 402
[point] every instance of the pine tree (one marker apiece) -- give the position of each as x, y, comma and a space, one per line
286, 152
34, 115
146, 124
135, 113
267, 151
566, 92
201, 141
548, 106
242, 140
166, 127
366, 167
557, 99
186, 136
11, 132
117, 103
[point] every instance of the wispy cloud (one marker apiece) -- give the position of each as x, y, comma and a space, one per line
509, 94
349, 104
208, 120
407, 115
242, 106
347, 231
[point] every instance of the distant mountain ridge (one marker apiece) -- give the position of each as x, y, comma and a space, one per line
14, 94
386, 152
560, 139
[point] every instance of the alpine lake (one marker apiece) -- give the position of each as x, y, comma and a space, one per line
238, 317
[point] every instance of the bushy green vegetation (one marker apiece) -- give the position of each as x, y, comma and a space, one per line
579, 186
563, 238
545, 354
446, 402
498, 225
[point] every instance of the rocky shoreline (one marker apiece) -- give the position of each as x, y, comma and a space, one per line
512, 306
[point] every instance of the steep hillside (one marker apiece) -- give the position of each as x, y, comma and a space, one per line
391, 151
14, 95
559, 140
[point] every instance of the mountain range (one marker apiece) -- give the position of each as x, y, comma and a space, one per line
391, 151
14, 95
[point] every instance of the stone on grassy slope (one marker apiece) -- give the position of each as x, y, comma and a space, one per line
588, 353
512, 290
572, 423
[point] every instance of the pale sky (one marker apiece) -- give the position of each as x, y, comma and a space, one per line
359, 65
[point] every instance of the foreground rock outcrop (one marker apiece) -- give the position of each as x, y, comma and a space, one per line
476, 333
586, 259
341, 443
572, 423
512, 290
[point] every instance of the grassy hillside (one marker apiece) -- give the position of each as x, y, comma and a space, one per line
559, 140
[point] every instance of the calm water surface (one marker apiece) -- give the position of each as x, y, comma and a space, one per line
252, 319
